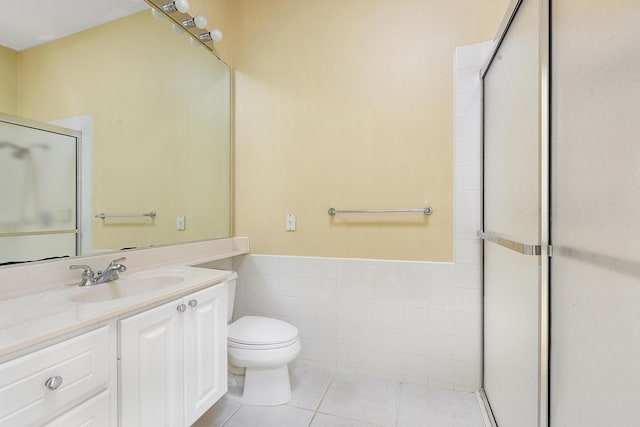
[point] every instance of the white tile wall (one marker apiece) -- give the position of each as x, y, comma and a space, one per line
467, 331
417, 322
387, 319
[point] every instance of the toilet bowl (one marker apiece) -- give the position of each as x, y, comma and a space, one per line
263, 347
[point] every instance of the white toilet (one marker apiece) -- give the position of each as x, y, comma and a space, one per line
263, 347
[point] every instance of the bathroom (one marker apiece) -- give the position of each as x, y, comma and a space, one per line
355, 105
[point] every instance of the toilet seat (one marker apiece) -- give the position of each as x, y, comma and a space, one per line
255, 332
244, 346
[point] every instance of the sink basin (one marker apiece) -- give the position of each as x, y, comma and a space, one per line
123, 288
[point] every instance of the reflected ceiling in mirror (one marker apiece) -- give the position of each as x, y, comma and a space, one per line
28, 23
158, 111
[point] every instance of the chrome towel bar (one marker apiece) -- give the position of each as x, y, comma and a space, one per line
427, 210
151, 214
522, 248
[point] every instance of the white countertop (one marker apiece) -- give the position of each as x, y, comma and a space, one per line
32, 319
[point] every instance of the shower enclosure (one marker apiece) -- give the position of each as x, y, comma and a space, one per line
561, 215
38, 191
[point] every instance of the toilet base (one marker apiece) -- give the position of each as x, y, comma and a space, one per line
264, 387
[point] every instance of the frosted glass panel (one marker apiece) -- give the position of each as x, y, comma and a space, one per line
511, 335
37, 189
511, 209
511, 131
595, 348
38, 247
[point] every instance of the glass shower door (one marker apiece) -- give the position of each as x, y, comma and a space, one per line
595, 334
513, 224
38, 190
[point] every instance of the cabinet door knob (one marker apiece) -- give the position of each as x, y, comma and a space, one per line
181, 308
53, 382
193, 303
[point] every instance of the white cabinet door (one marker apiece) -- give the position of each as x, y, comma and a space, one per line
205, 351
152, 367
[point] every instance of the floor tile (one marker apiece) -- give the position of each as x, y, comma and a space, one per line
218, 414
308, 386
363, 399
325, 420
427, 407
270, 416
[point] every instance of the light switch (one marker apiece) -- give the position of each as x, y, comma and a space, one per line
180, 223
290, 222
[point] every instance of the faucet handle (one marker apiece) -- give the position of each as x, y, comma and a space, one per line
86, 270
115, 264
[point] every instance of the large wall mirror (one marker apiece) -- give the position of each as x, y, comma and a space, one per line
154, 111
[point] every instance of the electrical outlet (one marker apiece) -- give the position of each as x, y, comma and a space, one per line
290, 222
180, 223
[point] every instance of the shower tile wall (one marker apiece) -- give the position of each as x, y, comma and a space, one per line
468, 191
415, 322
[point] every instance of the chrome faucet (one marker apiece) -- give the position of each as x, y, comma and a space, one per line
90, 278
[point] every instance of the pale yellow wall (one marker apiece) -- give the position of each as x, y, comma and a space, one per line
349, 104
8, 70
160, 128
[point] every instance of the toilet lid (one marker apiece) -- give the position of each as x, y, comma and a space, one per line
257, 330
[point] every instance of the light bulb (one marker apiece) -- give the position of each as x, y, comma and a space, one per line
200, 21
197, 21
182, 5
176, 6
214, 35
157, 14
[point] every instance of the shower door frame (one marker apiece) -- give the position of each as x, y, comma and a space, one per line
77, 135
544, 202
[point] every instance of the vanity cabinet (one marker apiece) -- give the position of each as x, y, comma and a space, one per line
173, 360
74, 377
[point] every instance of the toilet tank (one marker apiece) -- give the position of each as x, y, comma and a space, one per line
231, 294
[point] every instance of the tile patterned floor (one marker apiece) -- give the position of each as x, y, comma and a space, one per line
328, 399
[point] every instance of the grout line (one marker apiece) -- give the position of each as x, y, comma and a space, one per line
398, 404
324, 394
326, 390
312, 418
231, 416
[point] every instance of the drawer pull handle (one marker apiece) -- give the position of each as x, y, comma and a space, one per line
181, 308
193, 303
53, 383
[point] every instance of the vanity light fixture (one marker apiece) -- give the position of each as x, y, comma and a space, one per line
197, 21
176, 6
158, 15
212, 36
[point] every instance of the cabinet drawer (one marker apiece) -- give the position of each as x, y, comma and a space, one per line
81, 362
95, 412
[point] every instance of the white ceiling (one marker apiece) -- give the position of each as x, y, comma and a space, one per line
28, 23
